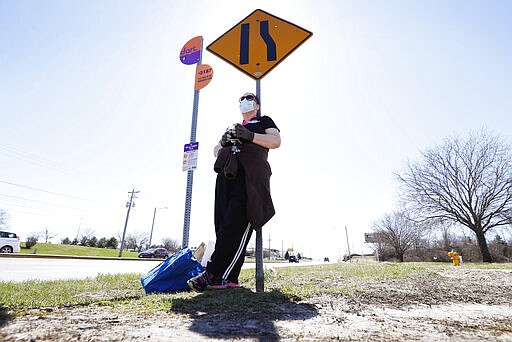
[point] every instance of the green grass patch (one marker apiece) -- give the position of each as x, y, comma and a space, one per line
72, 250
35, 294
299, 283
282, 285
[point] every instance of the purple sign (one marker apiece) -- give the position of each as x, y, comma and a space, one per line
191, 51
194, 146
190, 156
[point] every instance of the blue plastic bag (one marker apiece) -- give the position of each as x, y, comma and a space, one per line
172, 274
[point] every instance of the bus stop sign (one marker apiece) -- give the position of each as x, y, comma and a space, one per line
259, 43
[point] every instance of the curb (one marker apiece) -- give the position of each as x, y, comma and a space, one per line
54, 256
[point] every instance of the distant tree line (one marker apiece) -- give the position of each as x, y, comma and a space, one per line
134, 242
92, 241
395, 239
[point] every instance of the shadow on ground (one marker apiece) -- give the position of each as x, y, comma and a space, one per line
4, 317
241, 313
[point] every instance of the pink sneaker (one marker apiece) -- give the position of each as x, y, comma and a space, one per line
224, 284
200, 282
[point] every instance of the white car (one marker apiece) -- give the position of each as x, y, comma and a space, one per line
9, 242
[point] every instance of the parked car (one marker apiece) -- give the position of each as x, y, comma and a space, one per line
9, 242
155, 253
293, 258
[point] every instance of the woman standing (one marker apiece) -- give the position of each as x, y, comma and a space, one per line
242, 193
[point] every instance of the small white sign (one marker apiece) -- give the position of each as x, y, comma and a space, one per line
190, 156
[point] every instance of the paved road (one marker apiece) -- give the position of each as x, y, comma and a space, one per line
21, 269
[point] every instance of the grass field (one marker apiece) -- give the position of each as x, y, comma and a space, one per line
330, 301
72, 250
125, 291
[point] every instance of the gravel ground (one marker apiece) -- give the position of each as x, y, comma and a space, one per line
456, 305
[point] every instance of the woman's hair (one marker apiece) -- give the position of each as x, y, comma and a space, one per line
257, 99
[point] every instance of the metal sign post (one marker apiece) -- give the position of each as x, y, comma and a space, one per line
260, 287
192, 54
255, 46
190, 176
190, 173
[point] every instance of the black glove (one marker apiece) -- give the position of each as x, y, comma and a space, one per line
225, 140
243, 133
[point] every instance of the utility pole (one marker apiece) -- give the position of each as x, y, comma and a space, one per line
78, 231
269, 246
129, 204
348, 246
153, 224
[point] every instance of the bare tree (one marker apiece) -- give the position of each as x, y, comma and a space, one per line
47, 234
136, 241
88, 233
171, 245
4, 218
465, 181
398, 232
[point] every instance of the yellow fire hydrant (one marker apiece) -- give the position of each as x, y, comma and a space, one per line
455, 257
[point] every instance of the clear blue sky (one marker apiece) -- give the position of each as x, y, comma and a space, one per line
95, 102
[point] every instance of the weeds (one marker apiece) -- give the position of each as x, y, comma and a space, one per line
125, 292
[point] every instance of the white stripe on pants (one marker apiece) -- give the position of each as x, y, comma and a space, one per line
243, 241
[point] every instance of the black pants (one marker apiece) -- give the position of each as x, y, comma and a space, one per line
232, 228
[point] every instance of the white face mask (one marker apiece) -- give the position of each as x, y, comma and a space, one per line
246, 106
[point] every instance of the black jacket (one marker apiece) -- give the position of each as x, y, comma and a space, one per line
253, 159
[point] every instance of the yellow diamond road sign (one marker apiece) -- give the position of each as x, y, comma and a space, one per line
259, 43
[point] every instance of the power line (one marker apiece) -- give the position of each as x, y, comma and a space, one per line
47, 203
46, 214
46, 191
46, 163
69, 196
33, 159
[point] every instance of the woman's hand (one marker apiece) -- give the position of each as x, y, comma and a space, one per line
243, 133
225, 140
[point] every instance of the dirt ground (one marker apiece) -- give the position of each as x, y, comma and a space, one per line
451, 305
